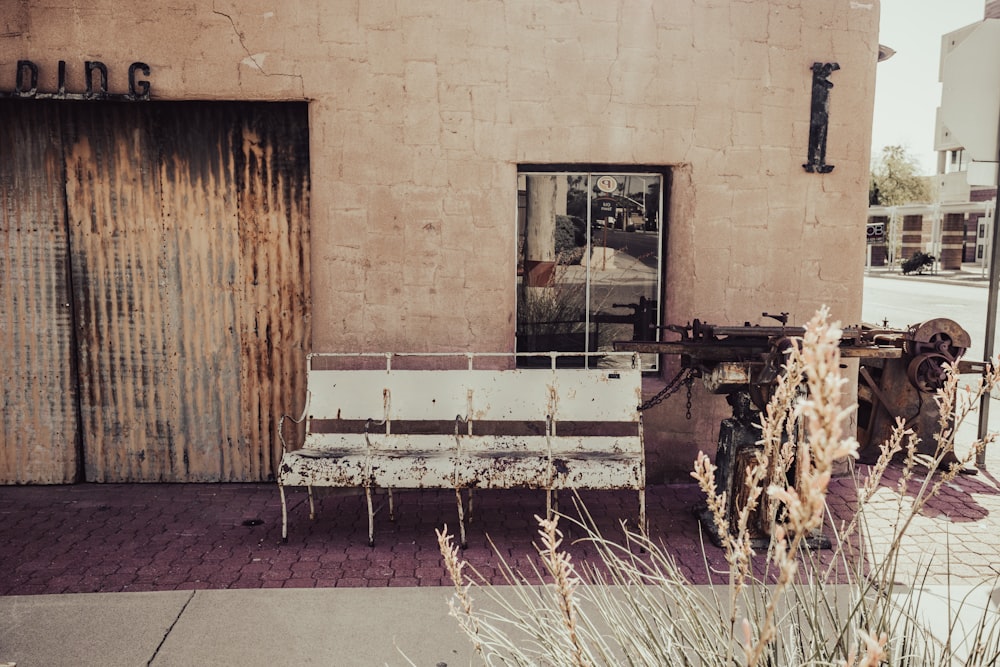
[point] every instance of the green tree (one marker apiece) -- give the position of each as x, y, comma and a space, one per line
895, 179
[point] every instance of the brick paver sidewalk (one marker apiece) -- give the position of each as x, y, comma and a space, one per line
141, 537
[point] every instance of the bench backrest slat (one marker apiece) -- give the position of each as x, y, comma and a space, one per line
598, 395
511, 395
439, 395
346, 394
522, 394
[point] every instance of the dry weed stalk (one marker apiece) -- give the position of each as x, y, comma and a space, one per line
736, 540
641, 609
822, 417
460, 605
565, 581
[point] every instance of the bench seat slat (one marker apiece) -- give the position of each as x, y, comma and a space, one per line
337, 469
516, 445
598, 472
414, 470
594, 446
407, 444
504, 471
347, 442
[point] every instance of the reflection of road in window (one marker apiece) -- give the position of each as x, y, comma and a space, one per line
589, 259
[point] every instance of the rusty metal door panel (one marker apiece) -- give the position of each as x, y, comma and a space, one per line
202, 288
129, 401
271, 155
38, 435
188, 224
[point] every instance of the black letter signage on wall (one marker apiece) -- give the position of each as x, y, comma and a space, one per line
26, 83
819, 118
32, 70
89, 68
138, 89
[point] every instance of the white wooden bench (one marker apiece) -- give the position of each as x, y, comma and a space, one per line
469, 421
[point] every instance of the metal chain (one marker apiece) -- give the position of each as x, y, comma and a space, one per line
684, 377
688, 381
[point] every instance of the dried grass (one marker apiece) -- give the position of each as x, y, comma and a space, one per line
638, 608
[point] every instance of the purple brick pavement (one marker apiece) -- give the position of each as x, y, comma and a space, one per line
154, 537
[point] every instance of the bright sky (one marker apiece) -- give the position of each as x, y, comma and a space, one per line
907, 90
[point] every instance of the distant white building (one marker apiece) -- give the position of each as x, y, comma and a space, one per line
955, 228
963, 185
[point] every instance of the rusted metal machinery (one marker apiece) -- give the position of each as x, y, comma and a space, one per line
899, 371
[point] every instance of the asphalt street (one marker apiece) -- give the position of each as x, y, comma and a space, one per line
904, 300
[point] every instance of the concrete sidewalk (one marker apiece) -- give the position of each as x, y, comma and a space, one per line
969, 274
344, 627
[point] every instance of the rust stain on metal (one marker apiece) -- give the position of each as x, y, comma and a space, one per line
188, 252
38, 433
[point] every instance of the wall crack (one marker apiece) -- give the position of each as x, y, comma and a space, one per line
166, 634
257, 59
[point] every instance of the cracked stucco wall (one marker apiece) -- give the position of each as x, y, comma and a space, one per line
421, 111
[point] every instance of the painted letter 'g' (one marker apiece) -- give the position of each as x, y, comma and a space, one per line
138, 89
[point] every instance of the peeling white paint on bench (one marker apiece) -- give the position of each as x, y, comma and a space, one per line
551, 428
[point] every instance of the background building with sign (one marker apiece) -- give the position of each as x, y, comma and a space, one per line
957, 227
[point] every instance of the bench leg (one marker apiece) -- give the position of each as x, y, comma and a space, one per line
470, 506
284, 515
312, 504
643, 528
392, 509
461, 518
371, 517
551, 502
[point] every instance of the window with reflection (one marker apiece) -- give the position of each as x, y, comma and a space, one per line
589, 259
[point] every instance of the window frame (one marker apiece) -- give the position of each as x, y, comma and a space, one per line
651, 363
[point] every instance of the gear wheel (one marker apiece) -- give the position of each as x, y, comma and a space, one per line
926, 371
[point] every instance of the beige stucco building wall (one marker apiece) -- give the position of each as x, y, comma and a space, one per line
420, 113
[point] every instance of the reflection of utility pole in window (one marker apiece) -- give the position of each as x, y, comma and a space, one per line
540, 234
562, 192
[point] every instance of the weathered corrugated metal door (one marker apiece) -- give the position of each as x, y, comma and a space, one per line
188, 224
37, 381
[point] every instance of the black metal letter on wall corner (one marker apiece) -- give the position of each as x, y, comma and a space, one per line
819, 119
